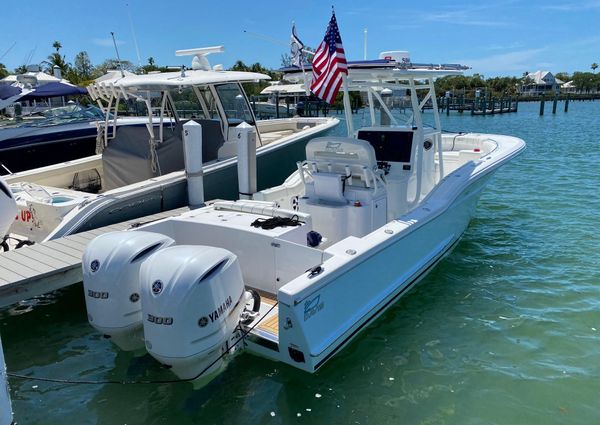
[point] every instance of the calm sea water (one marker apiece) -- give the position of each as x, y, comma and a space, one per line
506, 330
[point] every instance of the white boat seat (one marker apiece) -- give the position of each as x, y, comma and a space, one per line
340, 155
351, 161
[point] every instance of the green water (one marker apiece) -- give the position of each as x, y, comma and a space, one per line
506, 330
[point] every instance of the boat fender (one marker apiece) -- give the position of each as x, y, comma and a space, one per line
313, 239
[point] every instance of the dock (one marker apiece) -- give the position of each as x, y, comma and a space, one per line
41, 268
477, 106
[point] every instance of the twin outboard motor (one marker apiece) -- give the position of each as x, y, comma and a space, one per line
111, 265
192, 307
185, 303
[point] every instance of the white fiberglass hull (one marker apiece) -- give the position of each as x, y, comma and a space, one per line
319, 315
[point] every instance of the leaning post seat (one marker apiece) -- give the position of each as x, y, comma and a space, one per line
346, 195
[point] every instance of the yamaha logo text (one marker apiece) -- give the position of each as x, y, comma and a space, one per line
226, 305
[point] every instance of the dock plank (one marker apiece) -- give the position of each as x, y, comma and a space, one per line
60, 247
62, 257
47, 266
24, 265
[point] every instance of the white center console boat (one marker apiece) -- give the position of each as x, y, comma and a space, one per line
296, 272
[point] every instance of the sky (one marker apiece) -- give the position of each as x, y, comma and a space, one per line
495, 38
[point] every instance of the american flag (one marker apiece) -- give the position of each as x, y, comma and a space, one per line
329, 64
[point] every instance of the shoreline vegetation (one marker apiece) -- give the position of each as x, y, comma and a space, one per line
82, 72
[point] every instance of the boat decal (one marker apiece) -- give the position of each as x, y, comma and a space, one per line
160, 320
312, 307
225, 305
157, 287
97, 294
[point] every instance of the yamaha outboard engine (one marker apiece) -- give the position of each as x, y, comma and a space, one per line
8, 208
111, 265
192, 308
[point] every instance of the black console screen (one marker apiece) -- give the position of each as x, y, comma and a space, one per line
390, 146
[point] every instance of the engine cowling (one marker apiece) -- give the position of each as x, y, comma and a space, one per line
191, 308
111, 265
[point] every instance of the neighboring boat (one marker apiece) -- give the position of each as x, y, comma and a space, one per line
282, 100
140, 168
8, 207
298, 271
51, 136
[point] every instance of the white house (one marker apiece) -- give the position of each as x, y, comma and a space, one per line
540, 82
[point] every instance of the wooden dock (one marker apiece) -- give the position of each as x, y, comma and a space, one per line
42, 268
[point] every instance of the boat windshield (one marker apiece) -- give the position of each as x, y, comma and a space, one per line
64, 115
234, 104
187, 103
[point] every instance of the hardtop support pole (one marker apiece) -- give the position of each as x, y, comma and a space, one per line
418, 137
438, 126
347, 106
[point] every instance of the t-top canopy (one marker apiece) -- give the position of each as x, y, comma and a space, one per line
168, 80
284, 89
381, 70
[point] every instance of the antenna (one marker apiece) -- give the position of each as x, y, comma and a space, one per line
8, 50
137, 49
365, 58
117, 50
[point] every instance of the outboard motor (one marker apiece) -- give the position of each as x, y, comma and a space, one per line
111, 265
8, 208
192, 308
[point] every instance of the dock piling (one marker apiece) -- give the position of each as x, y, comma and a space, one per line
542, 100
6, 416
567, 103
555, 101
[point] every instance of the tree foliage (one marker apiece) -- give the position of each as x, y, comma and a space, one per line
3, 71
586, 81
252, 89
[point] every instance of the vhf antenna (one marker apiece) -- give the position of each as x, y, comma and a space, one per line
117, 50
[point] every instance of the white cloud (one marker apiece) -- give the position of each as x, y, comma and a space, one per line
574, 6
519, 61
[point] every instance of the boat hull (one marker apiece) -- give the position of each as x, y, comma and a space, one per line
370, 285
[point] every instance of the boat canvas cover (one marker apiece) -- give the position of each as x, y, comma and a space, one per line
128, 159
53, 90
7, 91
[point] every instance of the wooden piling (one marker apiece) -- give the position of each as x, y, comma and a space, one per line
555, 101
567, 103
542, 100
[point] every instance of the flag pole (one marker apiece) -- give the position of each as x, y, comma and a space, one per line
347, 106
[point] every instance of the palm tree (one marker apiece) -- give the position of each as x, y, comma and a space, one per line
57, 45
3, 70
594, 66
